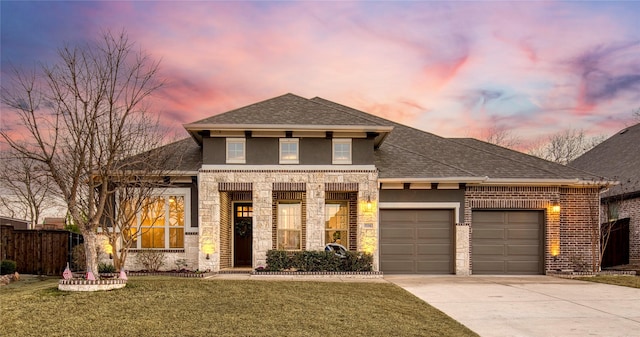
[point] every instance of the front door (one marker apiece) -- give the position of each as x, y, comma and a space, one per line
242, 234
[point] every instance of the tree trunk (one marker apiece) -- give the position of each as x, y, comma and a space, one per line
91, 252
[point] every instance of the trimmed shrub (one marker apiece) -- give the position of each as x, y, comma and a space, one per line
8, 267
357, 261
105, 268
279, 260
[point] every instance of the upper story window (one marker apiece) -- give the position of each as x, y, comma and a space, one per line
289, 153
341, 152
236, 151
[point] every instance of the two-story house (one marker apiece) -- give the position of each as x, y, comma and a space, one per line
296, 174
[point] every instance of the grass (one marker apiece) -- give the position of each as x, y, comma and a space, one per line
164, 306
626, 281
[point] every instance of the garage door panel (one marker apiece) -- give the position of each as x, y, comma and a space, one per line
434, 233
416, 241
523, 217
432, 267
522, 267
433, 249
488, 233
488, 250
433, 216
508, 246
523, 233
489, 217
526, 250
398, 217
397, 249
396, 266
398, 233
489, 267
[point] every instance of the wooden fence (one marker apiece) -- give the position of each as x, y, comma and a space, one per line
41, 252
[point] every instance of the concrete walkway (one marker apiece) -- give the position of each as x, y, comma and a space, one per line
530, 305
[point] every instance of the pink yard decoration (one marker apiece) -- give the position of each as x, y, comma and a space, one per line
123, 275
67, 274
90, 276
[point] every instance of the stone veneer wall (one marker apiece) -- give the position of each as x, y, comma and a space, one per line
629, 208
189, 253
262, 184
571, 230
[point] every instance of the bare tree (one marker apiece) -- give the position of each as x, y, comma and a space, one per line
500, 136
80, 117
636, 114
27, 190
565, 146
135, 187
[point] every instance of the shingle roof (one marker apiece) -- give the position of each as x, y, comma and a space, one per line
407, 152
286, 110
427, 155
616, 158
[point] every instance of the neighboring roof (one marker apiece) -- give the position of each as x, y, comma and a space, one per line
616, 158
407, 153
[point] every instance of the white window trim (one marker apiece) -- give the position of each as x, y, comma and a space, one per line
242, 141
333, 151
167, 192
289, 141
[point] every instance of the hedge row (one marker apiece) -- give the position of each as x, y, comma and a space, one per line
308, 260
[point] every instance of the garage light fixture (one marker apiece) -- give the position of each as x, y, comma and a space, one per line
555, 207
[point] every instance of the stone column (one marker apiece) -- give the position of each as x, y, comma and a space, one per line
463, 266
262, 222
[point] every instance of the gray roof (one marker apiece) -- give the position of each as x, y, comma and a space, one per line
287, 109
617, 158
406, 152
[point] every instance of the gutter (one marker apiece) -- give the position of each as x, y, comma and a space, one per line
503, 181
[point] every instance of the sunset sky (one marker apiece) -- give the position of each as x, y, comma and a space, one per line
450, 68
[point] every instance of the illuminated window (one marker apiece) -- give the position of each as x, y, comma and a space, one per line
289, 226
160, 223
341, 151
336, 223
288, 151
236, 150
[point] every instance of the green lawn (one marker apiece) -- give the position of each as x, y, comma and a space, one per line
627, 281
163, 306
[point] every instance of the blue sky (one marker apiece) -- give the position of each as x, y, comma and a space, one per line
451, 68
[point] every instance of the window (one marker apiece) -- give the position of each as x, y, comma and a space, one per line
289, 151
342, 151
236, 150
160, 223
337, 223
289, 226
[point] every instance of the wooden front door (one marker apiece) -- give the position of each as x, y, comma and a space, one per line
242, 234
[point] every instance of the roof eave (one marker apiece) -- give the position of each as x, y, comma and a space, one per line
195, 128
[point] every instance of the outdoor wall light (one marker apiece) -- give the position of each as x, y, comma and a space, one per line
207, 256
369, 204
555, 207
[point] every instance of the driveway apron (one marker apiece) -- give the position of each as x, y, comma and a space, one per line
529, 305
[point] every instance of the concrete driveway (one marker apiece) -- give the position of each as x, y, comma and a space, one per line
530, 305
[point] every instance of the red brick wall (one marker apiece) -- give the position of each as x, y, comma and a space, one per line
573, 227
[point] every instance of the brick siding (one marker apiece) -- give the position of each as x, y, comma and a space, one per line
573, 227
